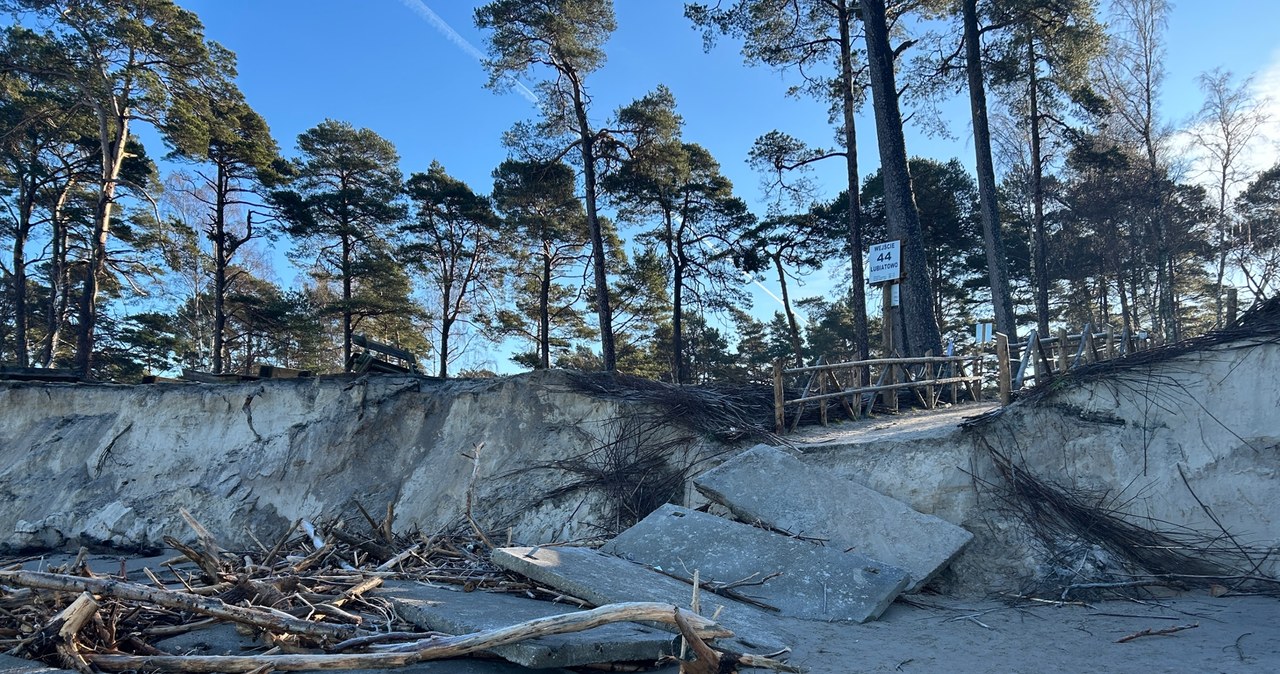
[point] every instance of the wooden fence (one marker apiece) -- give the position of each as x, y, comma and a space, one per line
929, 378
1040, 358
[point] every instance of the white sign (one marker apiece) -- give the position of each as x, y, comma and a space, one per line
982, 332
895, 298
885, 262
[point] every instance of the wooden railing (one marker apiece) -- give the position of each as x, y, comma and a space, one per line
1040, 358
929, 378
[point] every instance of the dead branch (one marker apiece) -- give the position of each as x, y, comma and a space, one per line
274, 620
471, 488
707, 660
1154, 632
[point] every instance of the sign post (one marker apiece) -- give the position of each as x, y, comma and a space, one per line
884, 264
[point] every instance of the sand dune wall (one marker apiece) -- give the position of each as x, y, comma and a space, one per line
115, 464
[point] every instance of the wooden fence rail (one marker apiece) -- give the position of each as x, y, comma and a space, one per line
927, 377
1037, 359
1043, 357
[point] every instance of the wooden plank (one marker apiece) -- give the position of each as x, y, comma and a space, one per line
157, 379
975, 388
1044, 361
211, 378
844, 402
855, 411
278, 372
1028, 354
871, 398
393, 351
15, 373
882, 388
387, 367
808, 386
879, 361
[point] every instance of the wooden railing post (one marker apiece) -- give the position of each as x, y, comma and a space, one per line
891, 396
822, 404
928, 388
1064, 361
1003, 375
779, 411
1111, 338
857, 383
979, 370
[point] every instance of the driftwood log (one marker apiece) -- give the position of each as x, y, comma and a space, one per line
268, 620
63, 629
435, 648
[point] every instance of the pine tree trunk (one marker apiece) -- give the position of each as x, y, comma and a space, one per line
679, 369
544, 312
793, 327
59, 280
446, 326
1040, 245
346, 302
857, 282
604, 311
219, 272
920, 330
19, 279
988, 206
113, 132
95, 267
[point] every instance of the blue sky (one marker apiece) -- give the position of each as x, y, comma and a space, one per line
382, 65
378, 63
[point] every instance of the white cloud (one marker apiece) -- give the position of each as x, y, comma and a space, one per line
1266, 152
1261, 152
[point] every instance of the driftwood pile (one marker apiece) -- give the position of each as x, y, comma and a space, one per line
309, 597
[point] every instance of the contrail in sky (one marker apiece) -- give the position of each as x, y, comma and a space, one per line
421, 9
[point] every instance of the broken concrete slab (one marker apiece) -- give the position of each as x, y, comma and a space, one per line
453, 612
801, 580
605, 579
12, 665
770, 486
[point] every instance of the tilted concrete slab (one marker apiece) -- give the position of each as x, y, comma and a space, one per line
605, 579
452, 612
801, 580
769, 486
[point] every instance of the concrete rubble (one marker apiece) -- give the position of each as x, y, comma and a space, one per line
794, 577
454, 612
769, 486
